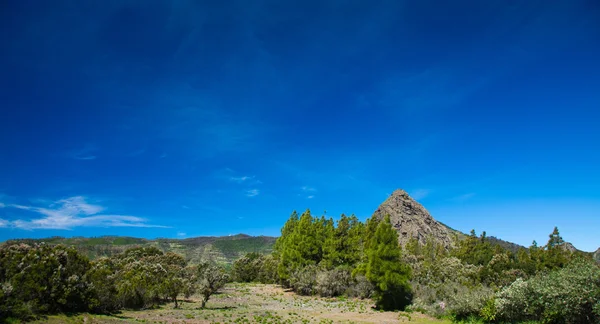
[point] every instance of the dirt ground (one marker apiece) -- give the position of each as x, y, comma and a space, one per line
257, 303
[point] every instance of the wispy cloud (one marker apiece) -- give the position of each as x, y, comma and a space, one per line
420, 194
252, 192
73, 212
3, 223
308, 192
181, 234
241, 179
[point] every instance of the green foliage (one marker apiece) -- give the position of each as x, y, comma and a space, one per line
254, 267
211, 278
342, 245
386, 270
247, 268
45, 279
567, 295
42, 279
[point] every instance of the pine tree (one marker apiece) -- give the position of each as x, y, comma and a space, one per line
343, 245
286, 231
385, 269
555, 256
300, 248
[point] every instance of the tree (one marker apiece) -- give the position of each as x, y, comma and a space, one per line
301, 247
555, 255
343, 245
385, 269
211, 278
247, 268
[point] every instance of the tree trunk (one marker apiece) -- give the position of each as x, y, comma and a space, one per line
204, 300
175, 300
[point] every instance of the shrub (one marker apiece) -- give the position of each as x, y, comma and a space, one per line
568, 295
38, 279
331, 283
469, 302
211, 278
360, 287
304, 280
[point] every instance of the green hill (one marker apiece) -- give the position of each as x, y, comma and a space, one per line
223, 249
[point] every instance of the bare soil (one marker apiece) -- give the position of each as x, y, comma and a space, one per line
257, 303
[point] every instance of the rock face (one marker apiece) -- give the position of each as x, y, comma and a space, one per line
411, 219
569, 247
597, 255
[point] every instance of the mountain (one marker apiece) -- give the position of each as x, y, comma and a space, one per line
513, 247
223, 249
411, 219
597, 255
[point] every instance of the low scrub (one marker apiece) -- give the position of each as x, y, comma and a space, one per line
568, 295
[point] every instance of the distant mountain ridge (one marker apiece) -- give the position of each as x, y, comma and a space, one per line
222, 249
408, 217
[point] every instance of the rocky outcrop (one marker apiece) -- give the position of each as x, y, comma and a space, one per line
597, 255
569, 247
411, 219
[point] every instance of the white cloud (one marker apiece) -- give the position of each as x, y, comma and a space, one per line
181, 234
252, 192
3, 223
2, 205
74, 212
308, 191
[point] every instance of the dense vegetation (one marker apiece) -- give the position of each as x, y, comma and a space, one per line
44, 279
476, 279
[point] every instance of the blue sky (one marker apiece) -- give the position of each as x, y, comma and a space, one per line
186, 118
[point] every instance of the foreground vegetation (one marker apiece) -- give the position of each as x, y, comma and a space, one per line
348, 264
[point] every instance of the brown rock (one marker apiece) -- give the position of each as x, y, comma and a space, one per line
411, 219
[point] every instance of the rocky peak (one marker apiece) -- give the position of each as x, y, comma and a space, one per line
411, 219
597, 255
569, 247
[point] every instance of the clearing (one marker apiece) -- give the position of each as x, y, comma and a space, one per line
257, 303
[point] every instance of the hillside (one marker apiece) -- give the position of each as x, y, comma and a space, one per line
597, 255
223, 249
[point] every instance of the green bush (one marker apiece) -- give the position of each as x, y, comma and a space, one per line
39, 279
567, 295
